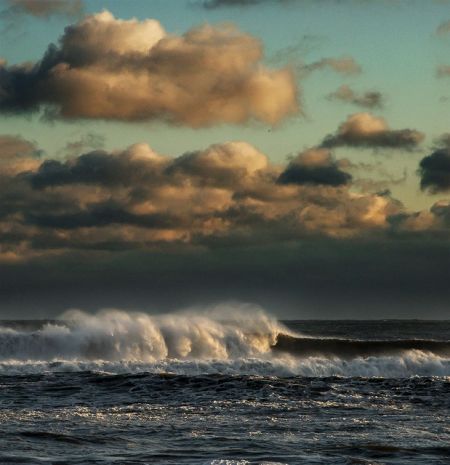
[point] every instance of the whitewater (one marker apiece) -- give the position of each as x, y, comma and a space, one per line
228, 385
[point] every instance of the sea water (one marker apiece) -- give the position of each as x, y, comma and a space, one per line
226, 387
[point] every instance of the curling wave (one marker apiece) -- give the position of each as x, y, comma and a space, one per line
351, 348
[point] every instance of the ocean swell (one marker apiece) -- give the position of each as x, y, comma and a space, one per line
350, 348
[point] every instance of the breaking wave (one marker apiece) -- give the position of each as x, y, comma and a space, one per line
241, 340
115, 335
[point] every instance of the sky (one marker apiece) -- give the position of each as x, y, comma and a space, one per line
158, 155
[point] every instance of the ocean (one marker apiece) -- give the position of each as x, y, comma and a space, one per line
223, 388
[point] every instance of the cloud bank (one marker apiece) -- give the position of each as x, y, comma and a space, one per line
136, 198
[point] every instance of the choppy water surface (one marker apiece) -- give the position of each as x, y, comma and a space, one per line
195, 389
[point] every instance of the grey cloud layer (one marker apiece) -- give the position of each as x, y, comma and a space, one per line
106, 68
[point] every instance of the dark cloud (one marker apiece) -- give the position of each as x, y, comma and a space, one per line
98, 167
317, 167
370, 99
367, 130
100, 215
434, 171
130, 70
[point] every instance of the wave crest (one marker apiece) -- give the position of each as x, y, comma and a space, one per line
114, 335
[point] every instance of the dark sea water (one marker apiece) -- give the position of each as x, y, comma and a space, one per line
195, 389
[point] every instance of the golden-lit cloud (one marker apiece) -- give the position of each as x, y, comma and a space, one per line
131, 70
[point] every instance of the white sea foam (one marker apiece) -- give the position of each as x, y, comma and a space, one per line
407, 365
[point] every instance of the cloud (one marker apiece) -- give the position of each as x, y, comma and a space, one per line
138, 199
376, 177
434, 171
316, 167
212, 4
443, 71
130, 70
443, 29
443, 141
42, 8
87, 141
370, 99
136, 165
99, 215
367, 130
17, 155
343, 65
221, 165
223, 3
433, 223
